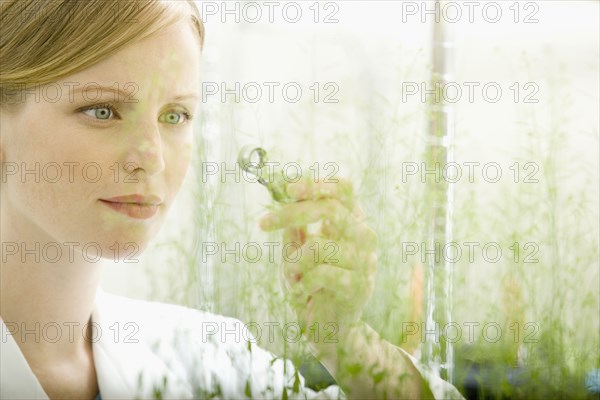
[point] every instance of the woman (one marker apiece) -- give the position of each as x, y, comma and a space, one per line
97, 99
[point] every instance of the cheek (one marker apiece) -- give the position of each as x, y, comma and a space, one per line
180, 158
47, 198
57, 178
37, 157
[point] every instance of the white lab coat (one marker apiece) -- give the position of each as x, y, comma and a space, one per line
141, 347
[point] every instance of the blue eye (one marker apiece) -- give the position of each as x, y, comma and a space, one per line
101, 112
175, 118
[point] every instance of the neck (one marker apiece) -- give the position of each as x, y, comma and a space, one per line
45, 301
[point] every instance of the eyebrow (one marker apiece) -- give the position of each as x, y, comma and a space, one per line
186, 96
122, 95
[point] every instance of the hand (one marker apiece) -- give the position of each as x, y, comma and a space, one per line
329, 274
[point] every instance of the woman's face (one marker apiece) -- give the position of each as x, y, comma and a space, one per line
119, 128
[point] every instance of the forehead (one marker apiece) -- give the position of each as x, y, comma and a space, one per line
167, 61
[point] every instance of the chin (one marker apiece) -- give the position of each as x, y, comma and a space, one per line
128, 251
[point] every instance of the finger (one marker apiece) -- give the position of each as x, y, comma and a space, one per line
345, 255
347, 285
304, 258
317, 252
363, 237
358, 212
293, 240
337, 188
303, 213
341, 189
294, 235
338, 224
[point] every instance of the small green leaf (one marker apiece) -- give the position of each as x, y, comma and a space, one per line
296, 388
248, 391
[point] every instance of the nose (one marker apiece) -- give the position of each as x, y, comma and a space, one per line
145, 148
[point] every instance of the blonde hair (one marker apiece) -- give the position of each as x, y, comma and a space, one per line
42, 41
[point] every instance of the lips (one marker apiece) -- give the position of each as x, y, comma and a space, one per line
150, 199
136, 206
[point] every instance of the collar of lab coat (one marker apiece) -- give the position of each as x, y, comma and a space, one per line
118, 359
